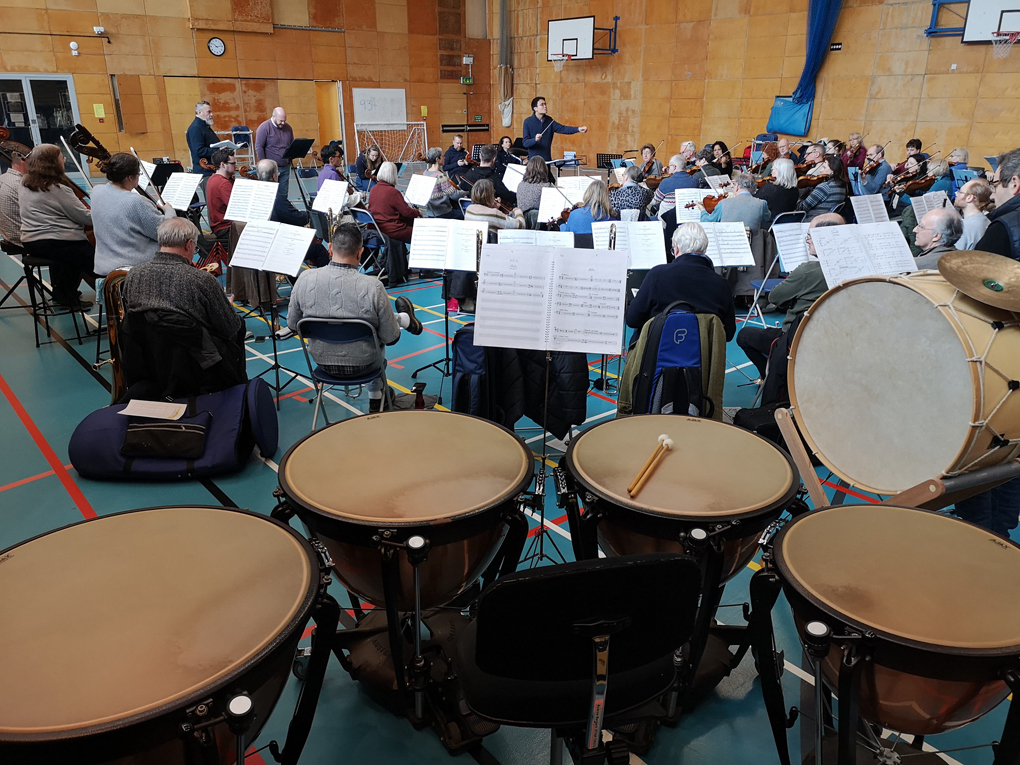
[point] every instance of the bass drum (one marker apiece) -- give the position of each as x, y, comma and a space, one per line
114, 628
898, 380
692, 487
374, 481
938, 594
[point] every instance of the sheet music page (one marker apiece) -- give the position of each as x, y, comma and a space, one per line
684, 197
254, 244
154, 410
332, 195
419, 190
150, 168
937, 199
889, 251
554, 238
717, 182
575, 185
920, 205
728, 245
512, 176
600, 235
462, 251
647, 245
429, 243
792, 245
520, 237
551, 204
514, 287
841, 254
588, 294
180, 189
620, 173
288, 250
870, 209
251, 200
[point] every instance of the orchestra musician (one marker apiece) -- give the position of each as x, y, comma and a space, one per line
665, 194
486, 170
936, 234
445, 195
828, 193
959, 156
395, 219
687, 151
272, 139
540, 129
504, 156
855, 154
913, 147
285, 212
10, 182
721, 158
595, 208
1003, 234
783, 145
368, 163
973, 198
332, 155
649, 164
200, 140
633, 194
781, 193
217, 191
878, 171
812, 164
529, 190
740, 207
455, 161
703, 159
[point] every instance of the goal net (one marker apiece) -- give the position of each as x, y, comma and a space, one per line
399, 142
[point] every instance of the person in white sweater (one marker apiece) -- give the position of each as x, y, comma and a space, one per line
53, 222
125, 222
973, 198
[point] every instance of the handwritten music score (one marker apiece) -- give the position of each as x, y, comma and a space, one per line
512, 177
271, 246
684, 197
851, 252
791, 241
419, 190
444, 244
180, 189
251, 201
546, 298
728, 245
523, 237
870, 209
332, 195
643, 241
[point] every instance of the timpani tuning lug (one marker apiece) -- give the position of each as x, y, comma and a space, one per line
817, 638
695, 541
240, 713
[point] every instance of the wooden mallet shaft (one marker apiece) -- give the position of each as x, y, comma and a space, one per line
666, 446
648, 463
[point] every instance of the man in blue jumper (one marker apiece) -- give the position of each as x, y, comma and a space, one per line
540, 129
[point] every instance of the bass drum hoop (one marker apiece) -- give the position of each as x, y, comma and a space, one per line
148, 723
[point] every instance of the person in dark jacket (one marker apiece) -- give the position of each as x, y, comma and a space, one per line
485, 169
539, 130
455, 160
690, 278
1002, 236
201, 138
781, 192
285, 212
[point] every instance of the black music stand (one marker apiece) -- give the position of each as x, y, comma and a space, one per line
298, 148
163, 172
442, 366
605, 161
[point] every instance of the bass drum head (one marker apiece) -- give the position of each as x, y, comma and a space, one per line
881, 386
119, 618
918, 578
395, 468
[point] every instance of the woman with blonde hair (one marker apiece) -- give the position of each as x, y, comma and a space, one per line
595, 208
369, 162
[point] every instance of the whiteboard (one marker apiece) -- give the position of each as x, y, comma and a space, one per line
987, 16
575, 37
380, 106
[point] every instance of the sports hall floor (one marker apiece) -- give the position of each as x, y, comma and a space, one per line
47, 392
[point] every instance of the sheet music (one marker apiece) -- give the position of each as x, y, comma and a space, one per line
728, 245
419, 190
251, 200
150, 168
551, 299
154, 410
870, 209
889, 251
254, 244
462, 251
928, 202
180, 189
620, 173
552, 204
227, 144
288, 250
684, 197
429, 238
792, 245
643, 242
851, 252
528, 238
575, 185
512, 176
718, 182
332, 195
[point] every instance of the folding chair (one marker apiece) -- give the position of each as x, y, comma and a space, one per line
374, 238
339, 332
354, 179
465, 201
767, 284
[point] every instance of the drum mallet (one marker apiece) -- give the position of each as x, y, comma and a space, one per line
665, 446
648, 463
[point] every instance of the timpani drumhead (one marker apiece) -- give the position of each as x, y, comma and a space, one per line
714, 469
118, 616
410, 466
907, 573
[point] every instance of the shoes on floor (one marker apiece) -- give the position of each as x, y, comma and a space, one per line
375, 405
403, 305
284, 333
452, 305
467, 305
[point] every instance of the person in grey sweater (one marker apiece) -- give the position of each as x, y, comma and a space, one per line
125, 222
529, 190
340, 291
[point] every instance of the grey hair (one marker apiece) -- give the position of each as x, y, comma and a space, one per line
200, 104
434, 154
634, 173
1009, 165
676, 160
387, 173
949, 224
746, 181
347, 240
176, 233
690, 237
705, 154
267, 170
688, 145
783, 172
962, 153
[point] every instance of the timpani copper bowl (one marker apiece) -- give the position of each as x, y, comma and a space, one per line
719, 478
933, 597
117, 631
376, 481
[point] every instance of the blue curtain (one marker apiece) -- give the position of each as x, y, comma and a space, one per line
822, 17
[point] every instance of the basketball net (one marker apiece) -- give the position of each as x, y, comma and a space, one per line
1002, 42
559, 61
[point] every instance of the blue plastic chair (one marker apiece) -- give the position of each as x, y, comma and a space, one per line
241, 135
374, 239
354, 179
464, 202
339, 332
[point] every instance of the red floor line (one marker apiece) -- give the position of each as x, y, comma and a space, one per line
432, 331
423, 350
252, 756
604, 398
23, 481
851, 492
415, 289
294, 393
47, 451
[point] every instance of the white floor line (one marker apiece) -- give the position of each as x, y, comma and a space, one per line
548, 524
735, 367
304, 380
434, 321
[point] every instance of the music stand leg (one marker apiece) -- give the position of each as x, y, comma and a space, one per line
272, 321
443, 367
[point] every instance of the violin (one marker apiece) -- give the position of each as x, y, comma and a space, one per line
918, 186
873, 165
801, 169
766, 179
562, 219
709, 203
693, 169
810, 181
769, 153
653, 181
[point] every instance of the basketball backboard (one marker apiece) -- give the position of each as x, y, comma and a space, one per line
572, 37
987, 16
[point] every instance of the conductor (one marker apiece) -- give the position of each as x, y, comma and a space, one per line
539, 130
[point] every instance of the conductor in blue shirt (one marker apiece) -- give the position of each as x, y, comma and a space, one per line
539, 130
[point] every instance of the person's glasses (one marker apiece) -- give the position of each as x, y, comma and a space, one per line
231, 163
1000, 182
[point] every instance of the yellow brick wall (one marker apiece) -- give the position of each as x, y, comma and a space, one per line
708, 70
159, 48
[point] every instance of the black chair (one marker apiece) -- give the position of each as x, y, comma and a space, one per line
538, 652
40, 297
15, 251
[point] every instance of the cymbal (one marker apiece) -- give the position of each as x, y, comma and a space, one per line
987, 278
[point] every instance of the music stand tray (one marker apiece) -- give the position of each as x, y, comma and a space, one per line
605, 161
298, 148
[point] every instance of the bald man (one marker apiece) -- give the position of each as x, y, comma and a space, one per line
936, 234
272, 139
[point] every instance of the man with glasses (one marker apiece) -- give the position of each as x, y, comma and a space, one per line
872, 182
217, 192
1003, 234
936, 234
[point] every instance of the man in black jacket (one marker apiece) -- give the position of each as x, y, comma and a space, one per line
485, 169
455, 160
690, 278
201, 138
1002, 236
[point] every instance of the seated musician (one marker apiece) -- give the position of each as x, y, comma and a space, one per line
504, 156
878, 171
721, 158
828, 193
649, 164
703, 159
855, 154
796, 293
125, 222
285, 212
529, 190
783, 146
812, 164
486, 170
913, 148
485, 207
742, 207
633, 194
687, 151
959, 156
690, 278
665, 197
217, 191
936, 234
973, 198
53, 221
780, 193
455, 161
332, 155
1003, 234
445, 195
595, 208
835, 148
368, 163
395, 219
340, 291
900, 192
10, 182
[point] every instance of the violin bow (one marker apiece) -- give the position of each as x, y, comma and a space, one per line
77, 163
147, 176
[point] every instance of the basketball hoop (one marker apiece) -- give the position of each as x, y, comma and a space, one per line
1002, 42
559, 61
